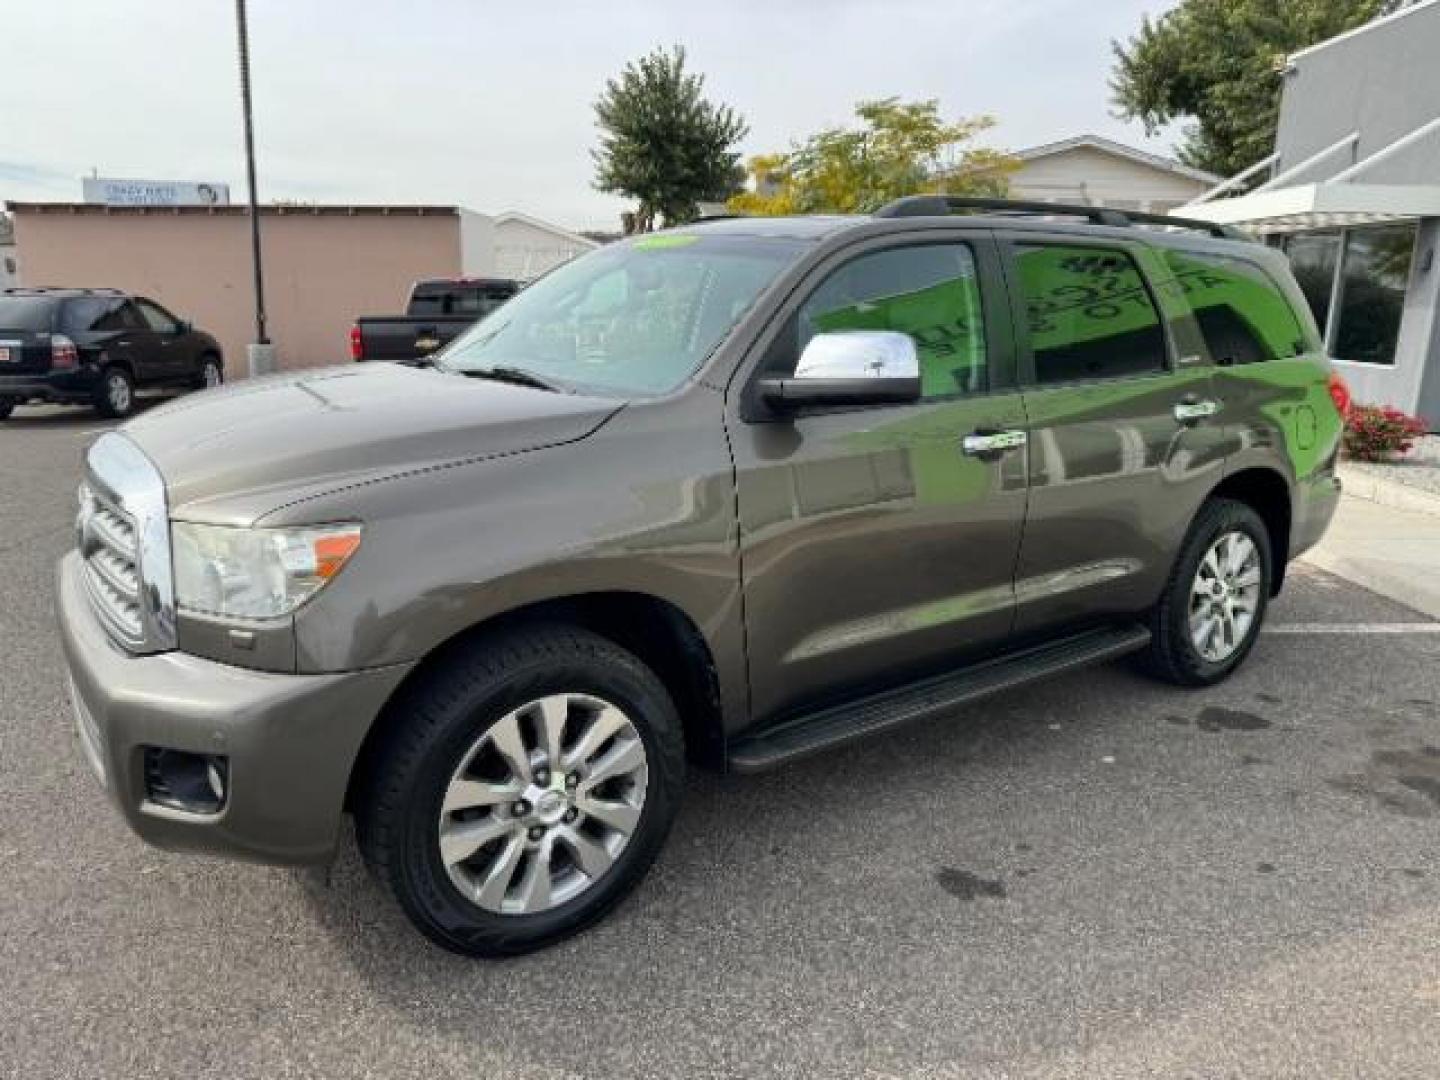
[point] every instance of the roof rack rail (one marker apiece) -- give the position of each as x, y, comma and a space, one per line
98, 291
945, 205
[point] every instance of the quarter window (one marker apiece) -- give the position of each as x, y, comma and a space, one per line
1088, 313
1242, 313
929, 292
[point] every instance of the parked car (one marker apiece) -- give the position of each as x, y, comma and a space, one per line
437, 312
732, 494
97, 347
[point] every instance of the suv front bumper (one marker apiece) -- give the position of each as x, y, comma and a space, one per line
290, 740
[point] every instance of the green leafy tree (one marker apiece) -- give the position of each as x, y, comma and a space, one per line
663, 144
900, 148
1219, 64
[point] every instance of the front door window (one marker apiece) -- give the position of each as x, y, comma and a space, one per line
929, 292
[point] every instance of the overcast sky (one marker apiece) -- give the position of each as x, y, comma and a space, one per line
488, 104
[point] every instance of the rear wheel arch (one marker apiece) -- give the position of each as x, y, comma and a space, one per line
655, 631
107, 361
1267, 492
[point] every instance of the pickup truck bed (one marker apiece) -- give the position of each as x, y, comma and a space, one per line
436, 314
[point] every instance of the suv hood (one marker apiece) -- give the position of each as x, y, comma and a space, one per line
234, 454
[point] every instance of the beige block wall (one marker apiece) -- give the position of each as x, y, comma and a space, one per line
321, 270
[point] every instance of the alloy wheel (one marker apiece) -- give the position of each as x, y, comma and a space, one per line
211, 374
1225, 596
542, 804
118, 393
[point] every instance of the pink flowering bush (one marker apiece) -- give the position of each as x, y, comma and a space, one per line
1375, 433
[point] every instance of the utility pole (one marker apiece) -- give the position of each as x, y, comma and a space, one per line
261, 355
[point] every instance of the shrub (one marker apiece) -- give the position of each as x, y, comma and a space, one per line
1375, 433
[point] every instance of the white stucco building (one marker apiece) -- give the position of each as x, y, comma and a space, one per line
1096, 171
515, 245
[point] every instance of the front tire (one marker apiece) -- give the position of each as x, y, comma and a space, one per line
521, 789
115, 396
7, 406
1210, 614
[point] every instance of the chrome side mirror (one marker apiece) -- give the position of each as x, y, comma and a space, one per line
850, 367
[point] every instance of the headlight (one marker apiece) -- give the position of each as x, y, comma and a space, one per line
256, 573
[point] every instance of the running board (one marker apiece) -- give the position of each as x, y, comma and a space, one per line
839, 724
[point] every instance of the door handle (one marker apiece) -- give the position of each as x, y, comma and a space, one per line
991, 442
1188, 412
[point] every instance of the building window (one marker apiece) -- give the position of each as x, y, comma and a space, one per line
1312, 258
1372, 293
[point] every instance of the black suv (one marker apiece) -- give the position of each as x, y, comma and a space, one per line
97, 347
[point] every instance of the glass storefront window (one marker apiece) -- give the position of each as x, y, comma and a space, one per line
1312, 258
1372, 293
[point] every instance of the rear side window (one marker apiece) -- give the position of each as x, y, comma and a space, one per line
929, 292
124, 317
1088, 313
35, 314
156, 317
1242, 313
474, 300
89, 315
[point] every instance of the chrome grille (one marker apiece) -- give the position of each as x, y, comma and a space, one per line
123, 532
108, 545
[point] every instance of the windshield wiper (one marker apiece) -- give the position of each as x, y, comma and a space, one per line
514, 375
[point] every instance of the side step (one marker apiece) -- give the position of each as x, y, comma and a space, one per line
812, 732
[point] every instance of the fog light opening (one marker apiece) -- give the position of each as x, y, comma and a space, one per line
194, 783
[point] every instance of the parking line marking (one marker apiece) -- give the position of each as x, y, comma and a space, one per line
1355, 628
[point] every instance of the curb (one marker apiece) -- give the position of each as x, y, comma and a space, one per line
1392, 493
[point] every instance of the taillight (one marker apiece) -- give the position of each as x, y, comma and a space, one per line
63, 353
357, 344
1340, 394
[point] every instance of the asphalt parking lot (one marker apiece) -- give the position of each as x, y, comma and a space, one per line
1098, 876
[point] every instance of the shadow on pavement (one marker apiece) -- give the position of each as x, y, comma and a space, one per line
761, 884
52, 417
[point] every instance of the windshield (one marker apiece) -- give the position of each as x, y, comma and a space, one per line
633, 318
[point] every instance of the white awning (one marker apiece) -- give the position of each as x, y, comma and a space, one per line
1319, 206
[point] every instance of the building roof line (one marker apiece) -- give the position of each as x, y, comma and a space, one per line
237, 209
1119, 149
573, 237
1373, 24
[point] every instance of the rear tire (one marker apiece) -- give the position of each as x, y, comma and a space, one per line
498, 837
115, 396
1211, 611
212, 373
7, 406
